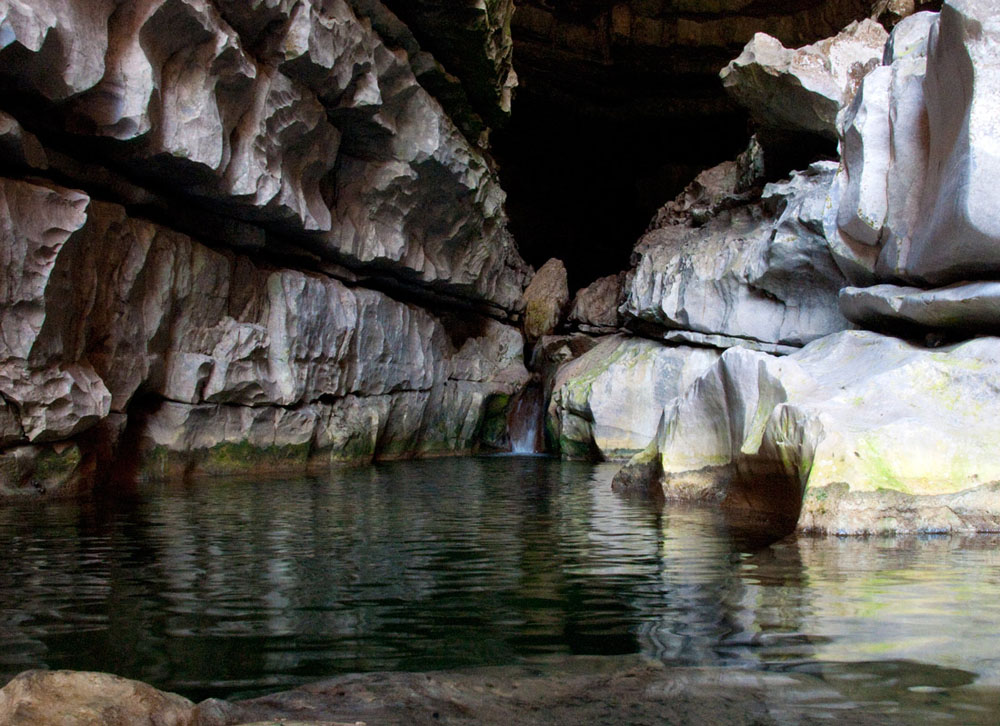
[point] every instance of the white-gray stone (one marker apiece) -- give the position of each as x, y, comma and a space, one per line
803, 89
967, 306
856, 410
607, 402
761, 272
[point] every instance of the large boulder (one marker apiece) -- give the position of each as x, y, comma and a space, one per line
861, 426
759, 271
545, 300
803, 89
606, 403
595, 307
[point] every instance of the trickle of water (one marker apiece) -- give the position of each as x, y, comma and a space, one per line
524, 423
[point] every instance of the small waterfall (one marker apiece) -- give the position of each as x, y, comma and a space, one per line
524, 422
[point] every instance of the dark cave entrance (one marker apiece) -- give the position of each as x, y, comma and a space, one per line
583, 183
619, 106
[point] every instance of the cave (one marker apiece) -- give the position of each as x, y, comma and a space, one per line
618, 107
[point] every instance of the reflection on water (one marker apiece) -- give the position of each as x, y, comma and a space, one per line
223, 587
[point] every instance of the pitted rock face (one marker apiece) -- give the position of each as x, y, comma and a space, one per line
274, 120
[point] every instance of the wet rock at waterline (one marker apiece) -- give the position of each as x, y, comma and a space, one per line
580, 689
233, 365
606, 403
878, 424
762, 271
76, 698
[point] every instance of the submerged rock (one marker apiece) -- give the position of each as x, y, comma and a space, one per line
606, 403
887, 424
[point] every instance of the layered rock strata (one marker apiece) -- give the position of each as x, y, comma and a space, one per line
858, 432
244, 237
295, 117
761, 271
210, 352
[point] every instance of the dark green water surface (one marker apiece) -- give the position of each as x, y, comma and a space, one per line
223, 588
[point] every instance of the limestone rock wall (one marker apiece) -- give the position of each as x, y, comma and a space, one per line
878, 431
296, 117
241, 236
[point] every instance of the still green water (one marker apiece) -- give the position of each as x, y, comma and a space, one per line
224, 588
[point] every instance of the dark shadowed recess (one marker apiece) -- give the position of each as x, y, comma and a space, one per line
583, 183
619, 105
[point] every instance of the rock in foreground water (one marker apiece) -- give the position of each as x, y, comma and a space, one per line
855, 420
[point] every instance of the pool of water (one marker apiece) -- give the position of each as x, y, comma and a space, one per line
225, 588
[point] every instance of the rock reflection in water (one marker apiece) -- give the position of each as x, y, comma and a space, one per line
233, 587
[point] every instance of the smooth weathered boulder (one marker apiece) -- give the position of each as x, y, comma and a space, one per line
80, 698
913, 200
854, 420
959, 233
964, 307
876, 198
761, 271
606, 403
545, 300
595, 307
803, 89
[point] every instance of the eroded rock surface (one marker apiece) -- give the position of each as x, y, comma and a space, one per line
856, 420
296, 367
606, 403
803, 89
761, 271
298, 117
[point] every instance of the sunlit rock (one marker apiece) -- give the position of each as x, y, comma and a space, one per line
762, 271
803, 89
875, 202
606, 403
962, 307
856, 410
